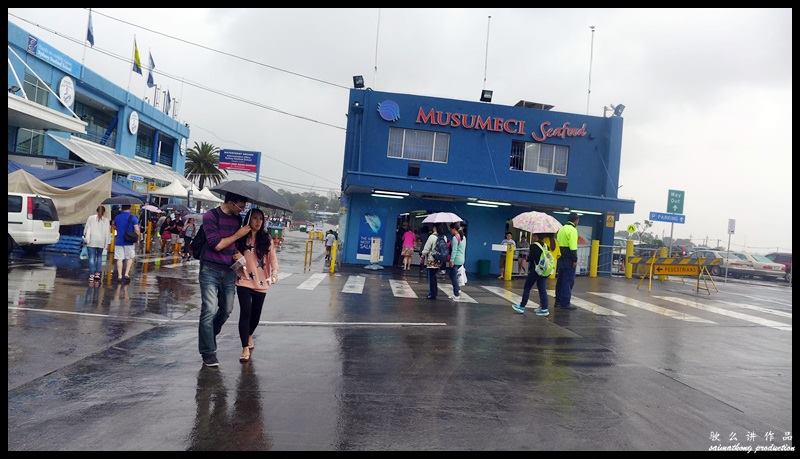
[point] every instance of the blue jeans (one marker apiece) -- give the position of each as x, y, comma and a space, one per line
217, 290
454, 279
565, 280
95, 259
541, 285
433, 286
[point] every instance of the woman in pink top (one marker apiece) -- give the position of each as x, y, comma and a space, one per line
408, 248
255, 275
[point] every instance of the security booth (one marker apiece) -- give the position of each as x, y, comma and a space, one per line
407, 156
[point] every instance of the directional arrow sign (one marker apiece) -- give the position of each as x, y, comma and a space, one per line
669, 218
675, 201
677, 270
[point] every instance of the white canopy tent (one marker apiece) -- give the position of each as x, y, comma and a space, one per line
173, 190
204, 195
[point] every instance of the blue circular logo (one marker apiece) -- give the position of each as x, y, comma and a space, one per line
389, 110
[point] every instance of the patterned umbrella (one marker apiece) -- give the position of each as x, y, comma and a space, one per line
442, 217
536, 222
152, 208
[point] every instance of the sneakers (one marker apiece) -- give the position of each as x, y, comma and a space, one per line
456, 298
210, 360
518, 309
541, 312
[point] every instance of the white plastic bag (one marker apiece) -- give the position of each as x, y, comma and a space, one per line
462, 276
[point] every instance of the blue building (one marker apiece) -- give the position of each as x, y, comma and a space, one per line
407, 156
98, 122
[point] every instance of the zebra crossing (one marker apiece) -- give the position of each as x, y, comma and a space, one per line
613, 304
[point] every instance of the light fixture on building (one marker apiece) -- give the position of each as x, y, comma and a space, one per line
394, 193
13, 89
494, 203
390, 196
561, 185
358, 81
478, 204
486, 95
616, 109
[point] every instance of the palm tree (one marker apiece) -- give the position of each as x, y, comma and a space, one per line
202, 163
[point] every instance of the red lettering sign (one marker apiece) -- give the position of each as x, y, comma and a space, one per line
563, 131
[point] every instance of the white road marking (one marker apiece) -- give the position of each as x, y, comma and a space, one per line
589, 306
401, 289
312, 282
507, 295
463, 297
760, 309
354, 284
725, 312
652, 308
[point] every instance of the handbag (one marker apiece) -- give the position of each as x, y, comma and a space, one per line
84, 253
462, 276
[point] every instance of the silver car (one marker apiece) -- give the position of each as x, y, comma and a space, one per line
738, 265
764, 267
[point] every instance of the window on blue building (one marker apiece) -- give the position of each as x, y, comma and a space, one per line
539, 157
30, 141
144, 142
35, 89
98, 122
166, 152
418, 145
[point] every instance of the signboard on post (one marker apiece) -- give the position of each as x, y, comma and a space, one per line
631, 229
239, 160
677, 270
669, 218
151, 186
731, 226
675, 201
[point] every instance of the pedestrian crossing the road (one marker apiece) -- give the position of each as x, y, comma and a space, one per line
615, 305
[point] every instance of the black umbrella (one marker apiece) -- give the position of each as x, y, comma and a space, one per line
255, 192
123, 200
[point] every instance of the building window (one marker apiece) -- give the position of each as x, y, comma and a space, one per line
30, 141
144, 142
418, 145
35, 90
98, 123
166, 152
539, 157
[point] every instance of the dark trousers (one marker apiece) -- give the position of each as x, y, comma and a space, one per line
454, 279
541, 285
250, 302
565, 280
433, 286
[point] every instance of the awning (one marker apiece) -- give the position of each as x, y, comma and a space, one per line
173, 190
107, 158
205, 195
30, 115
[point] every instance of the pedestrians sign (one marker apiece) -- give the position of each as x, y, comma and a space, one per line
610, 220
631, 228
151, 186
677, 270
675, 202
669, 218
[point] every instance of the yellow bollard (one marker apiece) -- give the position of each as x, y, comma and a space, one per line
113, 244
662, 252
593, 258
628, 255
147, 239
333, 257
509, 262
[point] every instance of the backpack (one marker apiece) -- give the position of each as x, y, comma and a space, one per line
441, 253
199, 241
544, 267
130, 235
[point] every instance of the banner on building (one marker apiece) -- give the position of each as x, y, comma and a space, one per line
371, 225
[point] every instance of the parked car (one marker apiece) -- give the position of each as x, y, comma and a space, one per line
785, 259
32, 221
765, 268
738, 266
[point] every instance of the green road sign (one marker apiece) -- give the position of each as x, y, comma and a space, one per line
675, 201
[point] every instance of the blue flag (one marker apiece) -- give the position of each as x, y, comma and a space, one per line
90, 31
150, 81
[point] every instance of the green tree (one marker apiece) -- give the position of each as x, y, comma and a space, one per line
202, 163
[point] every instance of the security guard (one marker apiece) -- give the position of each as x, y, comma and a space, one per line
567, 240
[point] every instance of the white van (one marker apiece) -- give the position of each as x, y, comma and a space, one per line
32, 221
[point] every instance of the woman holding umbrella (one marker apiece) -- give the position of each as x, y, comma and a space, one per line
433, 265
540, 225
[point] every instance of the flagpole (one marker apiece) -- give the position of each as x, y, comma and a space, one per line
83, 58
130, 71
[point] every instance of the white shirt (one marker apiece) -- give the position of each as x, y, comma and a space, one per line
97, 233
329, 240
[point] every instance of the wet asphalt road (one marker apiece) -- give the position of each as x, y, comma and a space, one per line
116, 367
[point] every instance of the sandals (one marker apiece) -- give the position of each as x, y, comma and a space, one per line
245, 358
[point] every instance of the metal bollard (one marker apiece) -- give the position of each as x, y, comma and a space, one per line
594, 255
509, 262
333, 258
147, 239
628, 255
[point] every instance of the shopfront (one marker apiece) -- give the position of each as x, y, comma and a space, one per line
407, 156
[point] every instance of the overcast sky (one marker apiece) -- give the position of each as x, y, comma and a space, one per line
707, 92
